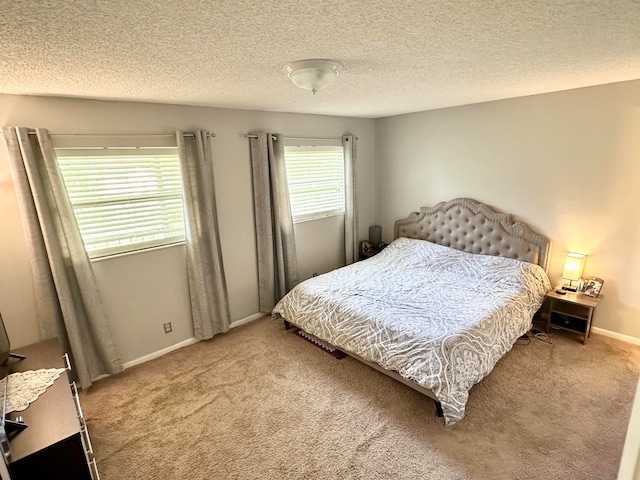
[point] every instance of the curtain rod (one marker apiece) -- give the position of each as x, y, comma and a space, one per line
249, 135
210, 135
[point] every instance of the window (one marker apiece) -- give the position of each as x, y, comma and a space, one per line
316, 181
124, 199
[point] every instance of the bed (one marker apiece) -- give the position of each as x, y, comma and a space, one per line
438, 307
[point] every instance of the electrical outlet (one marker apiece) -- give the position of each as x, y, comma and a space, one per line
167, 327
315, 274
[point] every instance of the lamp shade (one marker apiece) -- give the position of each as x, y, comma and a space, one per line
375, 234
573, 266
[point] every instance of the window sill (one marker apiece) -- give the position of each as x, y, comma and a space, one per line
135, 252
317, 217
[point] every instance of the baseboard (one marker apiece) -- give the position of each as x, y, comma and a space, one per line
187, 342
248, 319
616, 335
161, 352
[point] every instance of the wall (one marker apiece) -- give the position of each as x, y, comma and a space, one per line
320, 245
144, 290
566, 163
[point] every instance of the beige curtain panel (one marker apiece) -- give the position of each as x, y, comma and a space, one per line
68, 303
205, 271
276, 245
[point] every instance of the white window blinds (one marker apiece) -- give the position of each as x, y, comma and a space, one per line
316, 181
124, 199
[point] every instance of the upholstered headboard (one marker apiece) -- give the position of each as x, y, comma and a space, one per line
473, 227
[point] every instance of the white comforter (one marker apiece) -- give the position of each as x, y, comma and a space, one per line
437, 316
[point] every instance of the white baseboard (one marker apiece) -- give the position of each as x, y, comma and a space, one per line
248, 319
187, 342
616, 335
161, 352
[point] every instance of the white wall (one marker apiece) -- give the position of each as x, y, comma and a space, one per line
567, 163
320, 245
144, 290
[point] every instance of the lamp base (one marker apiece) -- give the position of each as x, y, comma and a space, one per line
570, 288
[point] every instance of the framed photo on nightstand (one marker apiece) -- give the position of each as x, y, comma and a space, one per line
592, 286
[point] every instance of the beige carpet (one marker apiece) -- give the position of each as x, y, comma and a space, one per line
260, 403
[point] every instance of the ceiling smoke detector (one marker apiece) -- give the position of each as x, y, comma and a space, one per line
314, 74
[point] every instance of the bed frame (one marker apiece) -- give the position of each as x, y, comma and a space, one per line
470, 226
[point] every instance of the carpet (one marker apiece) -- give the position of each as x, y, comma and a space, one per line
260, 403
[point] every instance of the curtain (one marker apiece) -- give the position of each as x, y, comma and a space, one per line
205, 271
350, 216
67, 299
276, 245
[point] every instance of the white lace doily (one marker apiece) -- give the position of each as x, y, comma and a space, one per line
25, 387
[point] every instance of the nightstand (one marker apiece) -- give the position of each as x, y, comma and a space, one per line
368, 250
571, 311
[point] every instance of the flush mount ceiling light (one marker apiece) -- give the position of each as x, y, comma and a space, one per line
314, 74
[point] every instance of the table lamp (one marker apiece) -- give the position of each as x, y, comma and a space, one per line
573, 265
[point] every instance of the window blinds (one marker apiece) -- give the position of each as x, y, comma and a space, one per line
316, 181
124, 199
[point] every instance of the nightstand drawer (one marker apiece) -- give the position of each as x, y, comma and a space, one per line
568, 322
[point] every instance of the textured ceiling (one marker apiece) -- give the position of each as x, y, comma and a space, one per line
399, 56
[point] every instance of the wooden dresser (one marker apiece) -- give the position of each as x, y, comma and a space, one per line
56, 443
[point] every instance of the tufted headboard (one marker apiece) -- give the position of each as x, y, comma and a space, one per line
467, 225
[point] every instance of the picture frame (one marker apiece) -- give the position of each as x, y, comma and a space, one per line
365, 247
592, 286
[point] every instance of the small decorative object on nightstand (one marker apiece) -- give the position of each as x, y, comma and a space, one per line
368, 249
592, 286
570, 311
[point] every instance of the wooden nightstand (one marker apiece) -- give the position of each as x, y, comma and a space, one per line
571, 311
367, 250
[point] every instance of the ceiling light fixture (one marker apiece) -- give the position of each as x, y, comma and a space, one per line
314, 74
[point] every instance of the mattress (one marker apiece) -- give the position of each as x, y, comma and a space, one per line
437, 316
